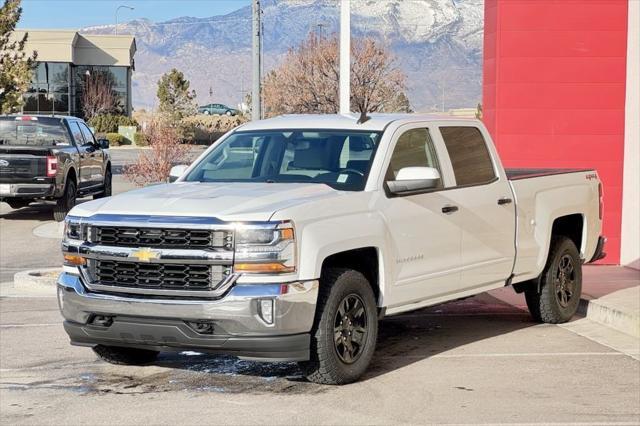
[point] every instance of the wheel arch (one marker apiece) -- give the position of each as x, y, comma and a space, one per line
365, 260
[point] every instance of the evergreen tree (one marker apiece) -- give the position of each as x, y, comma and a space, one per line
16, 66
176, 100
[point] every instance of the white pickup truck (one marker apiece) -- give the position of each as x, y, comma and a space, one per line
289, 238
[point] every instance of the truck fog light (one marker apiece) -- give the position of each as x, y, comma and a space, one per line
266, 310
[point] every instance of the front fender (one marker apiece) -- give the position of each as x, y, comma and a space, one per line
320, 239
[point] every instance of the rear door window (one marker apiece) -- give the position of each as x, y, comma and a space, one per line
76, 133
469, 155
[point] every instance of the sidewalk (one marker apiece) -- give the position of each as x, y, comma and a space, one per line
609, 307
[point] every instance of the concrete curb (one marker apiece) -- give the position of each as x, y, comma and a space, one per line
37, 278
619, 310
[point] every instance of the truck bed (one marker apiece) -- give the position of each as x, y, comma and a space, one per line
522, 173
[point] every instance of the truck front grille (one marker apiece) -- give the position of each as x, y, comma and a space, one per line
167, 276
161, 237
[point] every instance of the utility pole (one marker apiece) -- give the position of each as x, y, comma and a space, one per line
256, 113
345, 56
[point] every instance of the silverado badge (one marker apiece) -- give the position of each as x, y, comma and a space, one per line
4, 163
145, 255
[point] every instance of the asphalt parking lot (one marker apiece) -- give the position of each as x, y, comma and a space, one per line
476, 361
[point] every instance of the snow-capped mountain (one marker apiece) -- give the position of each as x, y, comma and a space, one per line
437, 43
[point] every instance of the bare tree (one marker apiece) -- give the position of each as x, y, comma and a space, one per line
166, 151
307, 80
98, 95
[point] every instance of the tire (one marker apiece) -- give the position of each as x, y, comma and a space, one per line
66, 202
207, 112
18, 204
108, 185
343, 294
560, 284
125, 356
229, 113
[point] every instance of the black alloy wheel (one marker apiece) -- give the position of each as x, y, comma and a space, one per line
350, 329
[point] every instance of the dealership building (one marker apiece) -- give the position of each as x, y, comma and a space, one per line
561, 88
66, 59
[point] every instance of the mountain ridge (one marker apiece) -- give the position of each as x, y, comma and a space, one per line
436, 43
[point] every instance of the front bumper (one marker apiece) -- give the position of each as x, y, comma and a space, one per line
168, 324
27, 190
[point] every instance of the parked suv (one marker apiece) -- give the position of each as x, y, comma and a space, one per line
51, 158
217, 109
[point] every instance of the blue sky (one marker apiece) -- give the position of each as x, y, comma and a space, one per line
84, 13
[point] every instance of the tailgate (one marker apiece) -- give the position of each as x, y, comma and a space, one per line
22, 164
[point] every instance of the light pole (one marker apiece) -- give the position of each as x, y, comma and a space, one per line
117, 9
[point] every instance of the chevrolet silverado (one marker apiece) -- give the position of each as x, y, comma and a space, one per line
290, 238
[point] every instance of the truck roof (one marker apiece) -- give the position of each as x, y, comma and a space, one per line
65, 117
376, 121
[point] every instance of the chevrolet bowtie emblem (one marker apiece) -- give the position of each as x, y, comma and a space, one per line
145, 255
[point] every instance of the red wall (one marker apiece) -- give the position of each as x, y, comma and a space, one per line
554, 90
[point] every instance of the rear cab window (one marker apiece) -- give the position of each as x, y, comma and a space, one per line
33, 131
469, 155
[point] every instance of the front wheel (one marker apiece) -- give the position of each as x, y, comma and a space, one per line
560, 284
125, 356
345, 329
66, 202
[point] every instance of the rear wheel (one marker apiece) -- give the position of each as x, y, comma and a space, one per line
66, 202
18, 204
125, 356
108, 178
560, 284
345, 329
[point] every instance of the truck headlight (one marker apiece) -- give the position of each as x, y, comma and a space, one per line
75, 232
73, 229
265, 250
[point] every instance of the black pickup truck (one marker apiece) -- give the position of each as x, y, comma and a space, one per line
51, 158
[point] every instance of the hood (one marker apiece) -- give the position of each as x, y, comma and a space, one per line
225, 201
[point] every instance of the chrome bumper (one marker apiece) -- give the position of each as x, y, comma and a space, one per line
28, 190
167, 324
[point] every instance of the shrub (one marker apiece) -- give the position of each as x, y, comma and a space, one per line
140, 139
115, 139
208, 128
108, 123
153, 165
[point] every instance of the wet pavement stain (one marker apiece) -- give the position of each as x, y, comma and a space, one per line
198, 373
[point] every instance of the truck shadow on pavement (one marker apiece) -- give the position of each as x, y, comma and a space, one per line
402, 341
41, 212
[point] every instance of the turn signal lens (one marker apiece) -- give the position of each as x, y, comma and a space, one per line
74, 260
263, 267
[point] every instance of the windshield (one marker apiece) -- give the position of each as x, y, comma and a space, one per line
33, 131
338, 158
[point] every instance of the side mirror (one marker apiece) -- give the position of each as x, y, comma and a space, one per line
410, 179
176, 172
103, 143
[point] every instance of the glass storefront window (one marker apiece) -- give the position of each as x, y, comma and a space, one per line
54, 84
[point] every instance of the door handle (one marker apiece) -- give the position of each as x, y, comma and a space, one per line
504, 200
449, 209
